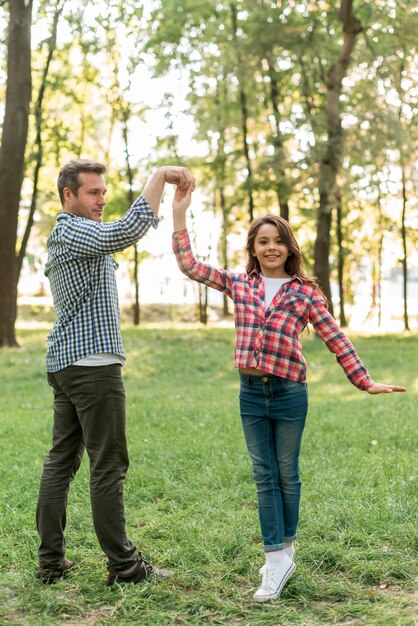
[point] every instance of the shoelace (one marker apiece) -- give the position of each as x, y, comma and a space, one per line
147, 565
268, 577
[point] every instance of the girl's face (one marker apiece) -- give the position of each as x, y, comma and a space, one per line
270, 251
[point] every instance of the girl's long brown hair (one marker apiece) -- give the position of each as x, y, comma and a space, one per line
294, 264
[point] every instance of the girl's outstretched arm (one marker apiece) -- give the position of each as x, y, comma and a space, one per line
338, 343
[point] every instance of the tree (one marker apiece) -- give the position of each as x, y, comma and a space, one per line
38, 148
331, 159
243, 100
122, 108
12, 157
402, 143
381, 133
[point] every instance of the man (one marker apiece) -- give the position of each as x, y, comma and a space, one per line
84, 360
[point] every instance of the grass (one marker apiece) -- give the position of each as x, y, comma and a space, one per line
191, 502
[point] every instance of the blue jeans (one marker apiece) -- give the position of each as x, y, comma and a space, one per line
273, 412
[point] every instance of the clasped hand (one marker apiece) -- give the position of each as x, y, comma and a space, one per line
179, 176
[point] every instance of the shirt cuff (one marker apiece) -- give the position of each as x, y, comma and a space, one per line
181, 234
367, 384
147, 215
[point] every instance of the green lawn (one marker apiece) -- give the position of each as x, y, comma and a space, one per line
190, 500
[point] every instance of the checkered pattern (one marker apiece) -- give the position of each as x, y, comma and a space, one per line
81, 272
267, 339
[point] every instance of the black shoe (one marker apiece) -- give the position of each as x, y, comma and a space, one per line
49, 575
142, 570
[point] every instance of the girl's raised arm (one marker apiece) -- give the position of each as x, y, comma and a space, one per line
181, 202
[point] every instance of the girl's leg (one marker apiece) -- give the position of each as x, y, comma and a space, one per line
260, 444
288, 439
259, 437
288, 432
274, 444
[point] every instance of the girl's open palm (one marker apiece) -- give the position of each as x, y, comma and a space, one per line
382, 388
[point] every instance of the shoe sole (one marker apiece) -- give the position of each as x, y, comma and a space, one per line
275, 595
51, 576
138, 576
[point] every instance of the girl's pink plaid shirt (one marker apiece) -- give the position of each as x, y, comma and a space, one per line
268, 339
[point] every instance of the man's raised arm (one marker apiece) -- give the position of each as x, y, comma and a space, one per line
179, 176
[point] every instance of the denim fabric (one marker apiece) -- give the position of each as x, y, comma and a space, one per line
273, 412
89, 412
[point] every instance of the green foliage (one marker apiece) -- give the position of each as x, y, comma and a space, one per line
94, 93
191, 502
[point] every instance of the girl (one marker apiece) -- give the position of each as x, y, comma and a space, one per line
273, 301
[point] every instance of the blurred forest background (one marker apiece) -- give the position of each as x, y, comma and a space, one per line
304, 109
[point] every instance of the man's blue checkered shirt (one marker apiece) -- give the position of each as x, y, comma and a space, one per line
81, 272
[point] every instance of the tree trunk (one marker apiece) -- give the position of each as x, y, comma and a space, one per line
203, 304
224, 244
220, 173
376, 304
137, 308
12, 157
244, 114
404, 201
405, 254
281, 184
379, 272
224, 241
110, 134
125, 119
340, 239
38, 140
331, 160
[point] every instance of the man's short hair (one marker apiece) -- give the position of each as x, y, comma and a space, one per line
68, 176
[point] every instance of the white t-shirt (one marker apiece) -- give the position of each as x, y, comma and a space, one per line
101, 358
271, 287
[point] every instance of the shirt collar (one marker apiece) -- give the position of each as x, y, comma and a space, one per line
257, 274
64, 215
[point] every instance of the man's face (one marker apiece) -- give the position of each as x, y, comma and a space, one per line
90, 199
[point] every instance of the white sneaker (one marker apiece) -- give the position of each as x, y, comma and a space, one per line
274, 579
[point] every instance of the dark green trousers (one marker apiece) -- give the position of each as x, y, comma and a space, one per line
89, 413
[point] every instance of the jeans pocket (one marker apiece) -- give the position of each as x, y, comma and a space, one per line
295, 388
294, 385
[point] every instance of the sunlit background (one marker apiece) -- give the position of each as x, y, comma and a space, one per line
160, 280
